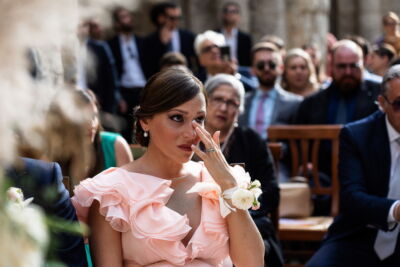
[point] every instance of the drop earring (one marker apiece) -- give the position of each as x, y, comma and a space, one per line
145, 134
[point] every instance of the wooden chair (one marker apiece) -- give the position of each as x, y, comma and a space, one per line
276, 151
304, 144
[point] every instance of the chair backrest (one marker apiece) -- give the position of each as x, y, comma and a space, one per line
276, 151
304, 143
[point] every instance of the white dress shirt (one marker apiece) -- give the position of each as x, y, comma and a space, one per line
231, 40
175, 42
132, 75
394, 136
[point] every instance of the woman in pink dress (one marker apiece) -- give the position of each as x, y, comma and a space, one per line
164, 209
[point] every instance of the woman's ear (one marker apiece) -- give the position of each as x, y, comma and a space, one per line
144, 123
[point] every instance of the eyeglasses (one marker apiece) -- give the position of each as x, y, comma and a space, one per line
260, 65
352, 66
208, 49
390, 23
219, 101
395, 104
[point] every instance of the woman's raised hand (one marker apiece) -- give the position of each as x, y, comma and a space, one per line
213, 158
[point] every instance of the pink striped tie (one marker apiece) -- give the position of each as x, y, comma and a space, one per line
260, 114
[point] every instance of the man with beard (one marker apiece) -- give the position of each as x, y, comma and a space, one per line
127, 50
269, 104
348, 98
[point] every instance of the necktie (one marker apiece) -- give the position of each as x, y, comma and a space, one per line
385, 242
260, 114
341, 115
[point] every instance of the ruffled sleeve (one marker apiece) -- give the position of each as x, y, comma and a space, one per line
212, 241
116, 191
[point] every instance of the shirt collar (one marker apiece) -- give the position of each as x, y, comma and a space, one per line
271, 93
123, 40
234, 32
392, 133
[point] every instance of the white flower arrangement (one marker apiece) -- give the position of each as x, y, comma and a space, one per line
22, 225
247, 193
244, 196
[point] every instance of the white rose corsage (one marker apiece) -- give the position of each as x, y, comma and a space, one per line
243, 196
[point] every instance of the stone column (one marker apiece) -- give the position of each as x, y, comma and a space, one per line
390, 5
369, 19
346, 18
267, 17
201, 15
307, 21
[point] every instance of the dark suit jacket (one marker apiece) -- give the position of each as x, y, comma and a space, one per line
115, 46
244, 44
314, 109
364, 173
43, 182
284, 111
154, 49
103, 81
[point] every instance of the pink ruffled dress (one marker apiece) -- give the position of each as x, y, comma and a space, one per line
135, 205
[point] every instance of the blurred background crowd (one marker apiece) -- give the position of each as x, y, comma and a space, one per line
72, 73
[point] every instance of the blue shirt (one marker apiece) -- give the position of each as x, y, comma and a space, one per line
268, 108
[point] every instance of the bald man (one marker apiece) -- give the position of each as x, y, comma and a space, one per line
349, 97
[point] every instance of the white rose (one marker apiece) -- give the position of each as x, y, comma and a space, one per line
241, 176
256, 183
256, 191
15, 194
242, 199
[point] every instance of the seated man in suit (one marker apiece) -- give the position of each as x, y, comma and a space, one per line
43, 182
366, 231
269, 104
349, 97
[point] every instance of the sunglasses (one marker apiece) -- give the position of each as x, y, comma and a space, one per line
389, 23
230, 11
174, 18
352, 66
395, 104
260, 65
208, 49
